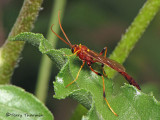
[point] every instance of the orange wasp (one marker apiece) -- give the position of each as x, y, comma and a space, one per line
90, 57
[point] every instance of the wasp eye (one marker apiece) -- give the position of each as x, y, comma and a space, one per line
72, 49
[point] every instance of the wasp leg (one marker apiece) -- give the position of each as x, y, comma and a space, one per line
104, 95
104, 50
104, 73
72, 54
77, 75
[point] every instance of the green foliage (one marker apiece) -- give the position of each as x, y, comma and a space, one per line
16, 104
44, 46
129, 103
134, 32
10, 51
79, 112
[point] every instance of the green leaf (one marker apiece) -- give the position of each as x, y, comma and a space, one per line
129, 103
79, 112
16, 104
44, 46
152, 89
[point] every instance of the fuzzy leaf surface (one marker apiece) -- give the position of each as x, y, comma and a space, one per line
129, 103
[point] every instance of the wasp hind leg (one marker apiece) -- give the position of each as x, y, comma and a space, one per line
104, 94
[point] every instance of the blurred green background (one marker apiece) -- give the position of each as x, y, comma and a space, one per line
95, 23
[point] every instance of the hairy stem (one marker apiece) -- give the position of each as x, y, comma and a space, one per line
10, 51
134, 32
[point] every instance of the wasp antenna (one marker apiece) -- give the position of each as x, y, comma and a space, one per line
59, 36
63, 30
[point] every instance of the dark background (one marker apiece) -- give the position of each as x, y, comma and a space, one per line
95, 23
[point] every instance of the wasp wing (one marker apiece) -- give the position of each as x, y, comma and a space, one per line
106, 61
113, 64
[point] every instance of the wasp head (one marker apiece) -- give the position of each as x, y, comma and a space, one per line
76, 48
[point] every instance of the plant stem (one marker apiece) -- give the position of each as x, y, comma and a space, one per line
46, 63
134, 32
10, 51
